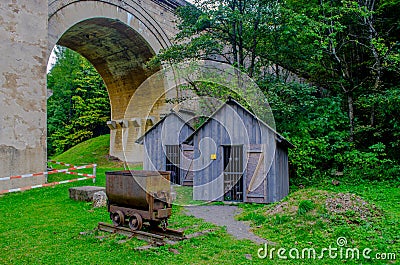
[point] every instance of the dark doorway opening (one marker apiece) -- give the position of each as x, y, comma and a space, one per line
172, 153
233, 172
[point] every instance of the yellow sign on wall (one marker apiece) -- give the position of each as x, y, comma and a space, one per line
213, 156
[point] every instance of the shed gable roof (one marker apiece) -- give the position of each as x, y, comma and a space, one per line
279, 137
141, 138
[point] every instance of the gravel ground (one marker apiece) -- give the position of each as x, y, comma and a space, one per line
223, 215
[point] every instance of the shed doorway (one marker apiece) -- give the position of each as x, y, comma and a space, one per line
172, 155
233, 172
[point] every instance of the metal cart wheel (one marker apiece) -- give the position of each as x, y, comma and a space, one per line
118, 218
135, 222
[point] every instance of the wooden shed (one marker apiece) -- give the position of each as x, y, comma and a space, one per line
163, 149
238, 157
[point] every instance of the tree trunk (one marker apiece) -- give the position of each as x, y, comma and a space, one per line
241, 48
254, 45
233, 36
240, 34
372, 119
351, 114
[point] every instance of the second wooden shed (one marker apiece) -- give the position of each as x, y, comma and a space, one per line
163, 149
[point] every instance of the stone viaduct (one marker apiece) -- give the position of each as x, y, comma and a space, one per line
116, 36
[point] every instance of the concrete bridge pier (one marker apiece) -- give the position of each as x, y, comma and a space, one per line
23, 49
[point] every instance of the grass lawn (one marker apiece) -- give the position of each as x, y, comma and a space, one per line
366, 215
43, 226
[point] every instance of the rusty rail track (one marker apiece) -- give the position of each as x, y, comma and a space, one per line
155, 236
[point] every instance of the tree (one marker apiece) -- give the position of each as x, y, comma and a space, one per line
228, 31
355, 48
79, 107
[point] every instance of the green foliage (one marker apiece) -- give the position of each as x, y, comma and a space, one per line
256, 218
316, 125
379, 121
355, 56
305, 206
79, 107
371, 164
224, 31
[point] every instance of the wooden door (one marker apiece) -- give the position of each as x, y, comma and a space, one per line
172, 162
233, 172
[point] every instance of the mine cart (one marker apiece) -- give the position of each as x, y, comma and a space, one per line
137, 196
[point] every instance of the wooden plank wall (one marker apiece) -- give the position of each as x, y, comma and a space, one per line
278, 176
153, 153
225, 128
208, 174
243, 129
172, 131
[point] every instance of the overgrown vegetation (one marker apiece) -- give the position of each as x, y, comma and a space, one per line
305, 206
330, 212
317, 126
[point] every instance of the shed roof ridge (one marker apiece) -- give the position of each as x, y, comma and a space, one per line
230, 99
172, 112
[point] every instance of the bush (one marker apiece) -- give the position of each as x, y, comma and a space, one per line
317, 124
372, 164
305, 206
314, 123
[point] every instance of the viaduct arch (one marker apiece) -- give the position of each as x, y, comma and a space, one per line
116, 36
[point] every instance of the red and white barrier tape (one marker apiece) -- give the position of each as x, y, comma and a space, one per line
66, 171
79, 174
48, 172
48, 184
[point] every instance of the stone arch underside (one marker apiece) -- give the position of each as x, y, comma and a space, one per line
118, 53
118, 38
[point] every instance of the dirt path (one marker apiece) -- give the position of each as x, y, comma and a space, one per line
224, 216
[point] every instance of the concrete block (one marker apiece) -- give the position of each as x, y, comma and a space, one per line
84, 193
